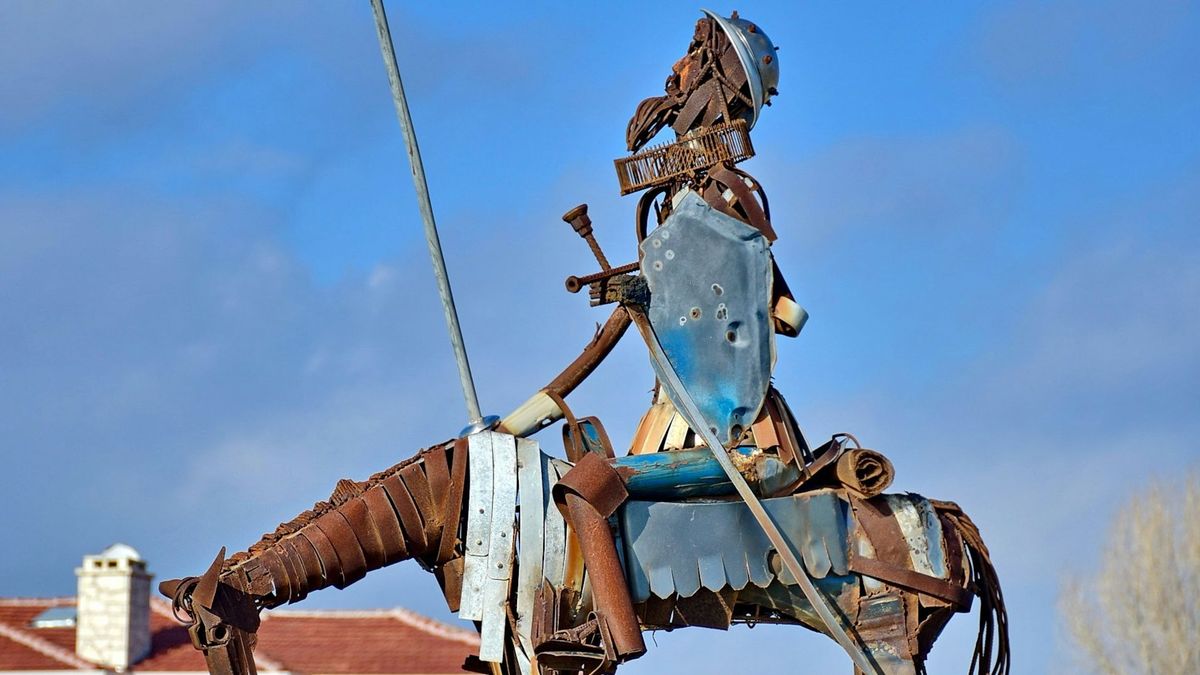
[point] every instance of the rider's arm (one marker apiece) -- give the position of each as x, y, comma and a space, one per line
788, 315
542, 408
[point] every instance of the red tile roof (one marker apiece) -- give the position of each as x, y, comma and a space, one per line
23, 648
372, 641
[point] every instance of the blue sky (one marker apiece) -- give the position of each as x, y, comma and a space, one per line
215, 300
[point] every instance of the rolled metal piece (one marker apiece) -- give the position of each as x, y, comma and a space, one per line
609, 591
866, 472
588, 494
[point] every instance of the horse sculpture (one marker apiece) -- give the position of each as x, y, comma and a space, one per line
721, 512
417, 509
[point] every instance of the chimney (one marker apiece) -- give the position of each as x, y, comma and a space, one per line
113, 608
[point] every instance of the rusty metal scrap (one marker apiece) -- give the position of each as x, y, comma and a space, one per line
720, 512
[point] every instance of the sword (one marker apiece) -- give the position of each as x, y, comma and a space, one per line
477, 421
691, 413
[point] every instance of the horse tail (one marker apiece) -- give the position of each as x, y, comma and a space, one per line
992, 654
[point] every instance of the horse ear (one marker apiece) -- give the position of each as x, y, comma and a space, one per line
206, 590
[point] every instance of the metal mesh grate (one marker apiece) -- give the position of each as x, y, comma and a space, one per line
658, 164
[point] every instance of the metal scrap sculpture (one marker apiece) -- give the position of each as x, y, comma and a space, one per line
721, 512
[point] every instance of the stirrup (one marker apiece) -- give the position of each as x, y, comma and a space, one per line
587, 647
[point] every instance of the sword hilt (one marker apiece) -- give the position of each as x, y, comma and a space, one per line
582, 224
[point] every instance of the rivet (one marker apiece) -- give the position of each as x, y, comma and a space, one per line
670, 255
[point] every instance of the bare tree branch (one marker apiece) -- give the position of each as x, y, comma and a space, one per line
1140, 614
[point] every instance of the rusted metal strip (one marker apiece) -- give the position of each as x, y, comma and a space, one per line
410, 517
314, 573
387, 524
453, 505
418, 486
331, 567
916, 581
295, 569
353, 563
437, 471
283, 587
356, 514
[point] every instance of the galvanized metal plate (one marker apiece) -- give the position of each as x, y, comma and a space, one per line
922, 531
491, 520
680, 547
534, 494
479, 525
504, 505
710, 291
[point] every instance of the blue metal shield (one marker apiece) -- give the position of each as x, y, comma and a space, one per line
710, 293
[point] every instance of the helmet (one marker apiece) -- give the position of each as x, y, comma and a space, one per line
757, 54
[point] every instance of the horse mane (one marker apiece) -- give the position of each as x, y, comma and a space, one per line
992, 653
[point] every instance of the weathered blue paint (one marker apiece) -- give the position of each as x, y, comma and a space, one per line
710, 282
682, 474
674, 475
680, 547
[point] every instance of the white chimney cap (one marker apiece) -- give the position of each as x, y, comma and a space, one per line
121, 552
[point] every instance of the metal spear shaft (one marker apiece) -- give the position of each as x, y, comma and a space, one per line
431, 234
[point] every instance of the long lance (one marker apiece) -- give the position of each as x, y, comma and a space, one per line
431, 234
